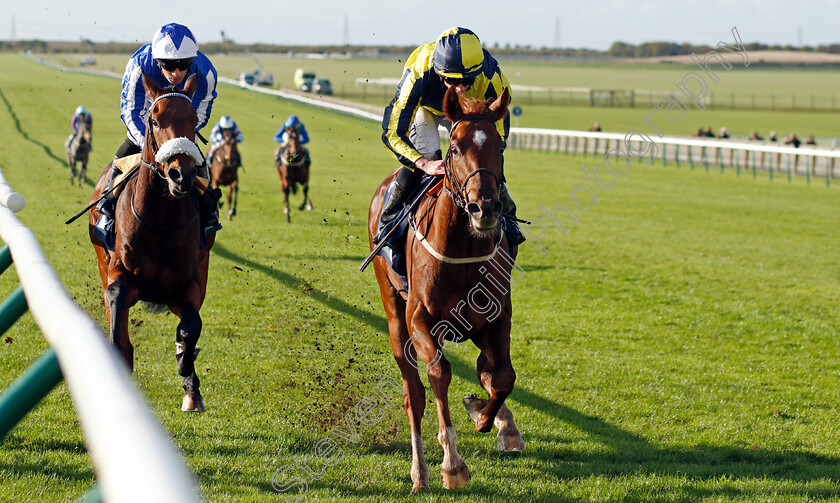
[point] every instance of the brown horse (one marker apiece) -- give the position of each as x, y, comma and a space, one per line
225, 163
157, 256
292, 163
77, 149
458, 287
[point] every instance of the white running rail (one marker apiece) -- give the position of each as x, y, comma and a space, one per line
135, 460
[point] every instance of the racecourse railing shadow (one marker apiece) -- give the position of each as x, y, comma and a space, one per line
26, 136
376, 321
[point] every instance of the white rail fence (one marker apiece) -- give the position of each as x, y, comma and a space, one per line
135, 460
718, 153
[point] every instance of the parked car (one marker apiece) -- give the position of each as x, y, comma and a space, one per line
322, 86
303, 79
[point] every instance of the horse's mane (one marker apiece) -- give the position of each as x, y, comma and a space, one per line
473, 106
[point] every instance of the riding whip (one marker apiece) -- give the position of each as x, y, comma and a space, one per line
384, 240
104, 193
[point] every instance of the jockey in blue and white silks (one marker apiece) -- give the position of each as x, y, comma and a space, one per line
169, 60
217, 134
282, 136
173, 42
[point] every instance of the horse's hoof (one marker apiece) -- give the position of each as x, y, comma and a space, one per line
285, 211
193, 403
419, 488
455, 478
510, 441
474, 405
308, 207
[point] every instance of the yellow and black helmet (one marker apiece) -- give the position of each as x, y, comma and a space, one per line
458, 54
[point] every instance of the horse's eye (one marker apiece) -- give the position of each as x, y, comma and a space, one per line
154, 123
454, 150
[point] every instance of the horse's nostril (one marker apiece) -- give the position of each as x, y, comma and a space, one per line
497, 208
473, 208
175, 175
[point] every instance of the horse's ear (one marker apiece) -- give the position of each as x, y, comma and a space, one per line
498, 109
191, 86
452, 106
152, 89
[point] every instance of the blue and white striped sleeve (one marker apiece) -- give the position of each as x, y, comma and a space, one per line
133, 102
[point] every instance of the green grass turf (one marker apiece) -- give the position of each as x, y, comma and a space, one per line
679, 343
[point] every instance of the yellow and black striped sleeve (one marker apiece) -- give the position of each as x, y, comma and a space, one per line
399, 115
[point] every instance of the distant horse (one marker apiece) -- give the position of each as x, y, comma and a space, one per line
225, 163
157, 256
458, 287
77, 149
292, 163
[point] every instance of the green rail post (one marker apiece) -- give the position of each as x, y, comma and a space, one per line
12, 309
5, 258
677, 156
705, 157
664, 156
690, 160
29, 389
92, 496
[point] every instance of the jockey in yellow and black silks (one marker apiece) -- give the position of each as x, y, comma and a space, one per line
410, 123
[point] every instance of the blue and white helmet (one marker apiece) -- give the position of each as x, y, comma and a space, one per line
292, 121
174, 41
225, 122
80, 110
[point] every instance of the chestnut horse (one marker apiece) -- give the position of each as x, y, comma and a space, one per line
292, 163
157, 256
225, 163
77, 150
458, 273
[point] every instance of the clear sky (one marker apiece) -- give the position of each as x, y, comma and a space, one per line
592, 24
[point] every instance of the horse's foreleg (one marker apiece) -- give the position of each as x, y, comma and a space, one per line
286, 204
496, 374
83, 173
116, 296
306, 202
186, 338
453, 470
235, 196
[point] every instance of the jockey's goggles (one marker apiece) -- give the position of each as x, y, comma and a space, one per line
170, 65
467, 81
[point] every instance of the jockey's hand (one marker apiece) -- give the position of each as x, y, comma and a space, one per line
429, 166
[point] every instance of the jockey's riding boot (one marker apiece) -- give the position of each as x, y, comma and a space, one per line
208, 203
107, 204
509, 209
405, 183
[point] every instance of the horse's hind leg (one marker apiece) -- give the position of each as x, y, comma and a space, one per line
231, 199
189, 330
116, 297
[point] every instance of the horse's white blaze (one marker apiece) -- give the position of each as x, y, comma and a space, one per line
479, 138
177, 146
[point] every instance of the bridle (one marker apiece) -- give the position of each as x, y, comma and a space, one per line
459, 189
155, 166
